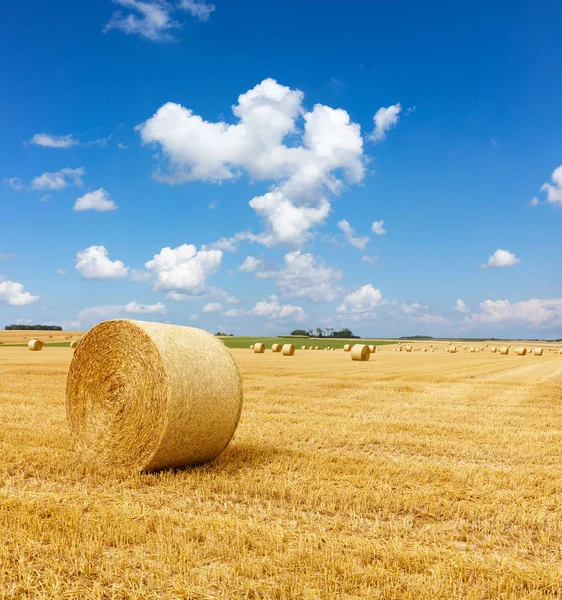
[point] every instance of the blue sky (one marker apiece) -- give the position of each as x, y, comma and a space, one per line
254, 167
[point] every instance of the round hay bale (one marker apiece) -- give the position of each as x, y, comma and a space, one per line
288, 350
425, 349
504, 350
276, 348
493, 349
472, 350
146, 396
347, 348
35, 345
433, 349
372, 348
360, 352
259, 348
252, 347
538, 351
452, 349
520, 351
74, 344
304, 348
408, 348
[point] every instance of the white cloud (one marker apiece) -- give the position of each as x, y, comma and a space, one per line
12, 292
212, 307
149, 18
194, 317
122, 146
45, 197
58, 180
184, 268
356, 242
213, 205
198, 8
15, 183
533, 312
411, 309
368, 259
98, 200
138, 275
61, 272
53, 141
554, 190
136, 308
501, 258
272, 310
94, 263
7, 256
250, 264
377, 227
361, 303
325, 145
461, 306
210, 292
534, 202
385, 119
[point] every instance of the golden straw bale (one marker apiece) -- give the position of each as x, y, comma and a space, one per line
347, 348
473, 350
288, 350
259, 348
74, 344
360, 352
304, 348
276, 348
493, 349
372, 348
147, 396
521, 351
252, 347
504, 350
452, 349
317, 347
538, 351
35, 345
408, 348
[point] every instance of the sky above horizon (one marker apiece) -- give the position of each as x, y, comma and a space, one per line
256, 167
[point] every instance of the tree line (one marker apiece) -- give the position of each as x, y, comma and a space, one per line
327, 332
33, 328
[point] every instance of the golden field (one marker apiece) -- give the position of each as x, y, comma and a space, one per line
411, 476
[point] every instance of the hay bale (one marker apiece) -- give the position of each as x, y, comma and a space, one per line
472, 350
425, 349
493, 349
347, 348
304, 348
146, 396
288, 350
74, 344
504, 350
521, 351
276, 348
372, 348
452, 349
259, 348
360, 352
317, 348
252, 347
35, 345
538, 351
408, 348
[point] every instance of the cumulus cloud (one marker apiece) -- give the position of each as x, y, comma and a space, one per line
94, 263
272, 310
325, 150
58, 180
377, 227
184, 268
198, 8
356, 242
136, 308
15, 183
151, 19
53, 141
501, 258
250, 264
362, 303
12, 292
385, 119
212, 307
412, 308
554, 190
461, 306
533, 312
211, 292
98, 200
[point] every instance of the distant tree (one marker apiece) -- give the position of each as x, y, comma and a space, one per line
300, 332
344, 333
319, 332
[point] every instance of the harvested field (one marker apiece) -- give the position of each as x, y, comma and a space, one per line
410, 476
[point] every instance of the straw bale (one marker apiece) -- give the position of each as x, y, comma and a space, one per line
360, 352
252, 347
538, 351
276, 348
304, 348
74, 344
408, 348
35, 345
504, 350
347, 348
259, 348
452, 349
147, 396
521, 351
288, 350
493, 349
372, 348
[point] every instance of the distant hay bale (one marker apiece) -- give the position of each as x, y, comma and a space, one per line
276, 348
360, 352
433, 349
259, 348
347, 348
425, 349
538, 351
74, 344
252, 347
472, 350
493, 349
372, 348
520, 351
408, 348
504, 350
35, 345
147, 396
317, 348
288, 350
452, 349
304, 348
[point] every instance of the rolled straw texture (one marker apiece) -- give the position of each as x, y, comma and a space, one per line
252, 347
347, 348
452, 349
372, 348
304, 348
73, 344
259, 348
493, 349
408, 348
35, 345
288, 350
147, 396
360, 352
317, 348
504, 350
538, 351
276, 348
521, 351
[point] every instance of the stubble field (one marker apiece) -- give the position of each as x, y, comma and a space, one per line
411, 476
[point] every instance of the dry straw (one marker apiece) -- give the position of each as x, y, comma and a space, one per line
372, 348
276, 348
538, 351
521, 351
473, 350
252, 347
147, 396
360, 352
317, 348
452, 349
347, 348
494, 349
35, 345
504, 350
259, 348
73, 344
408, 348
288, 350
304, 348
